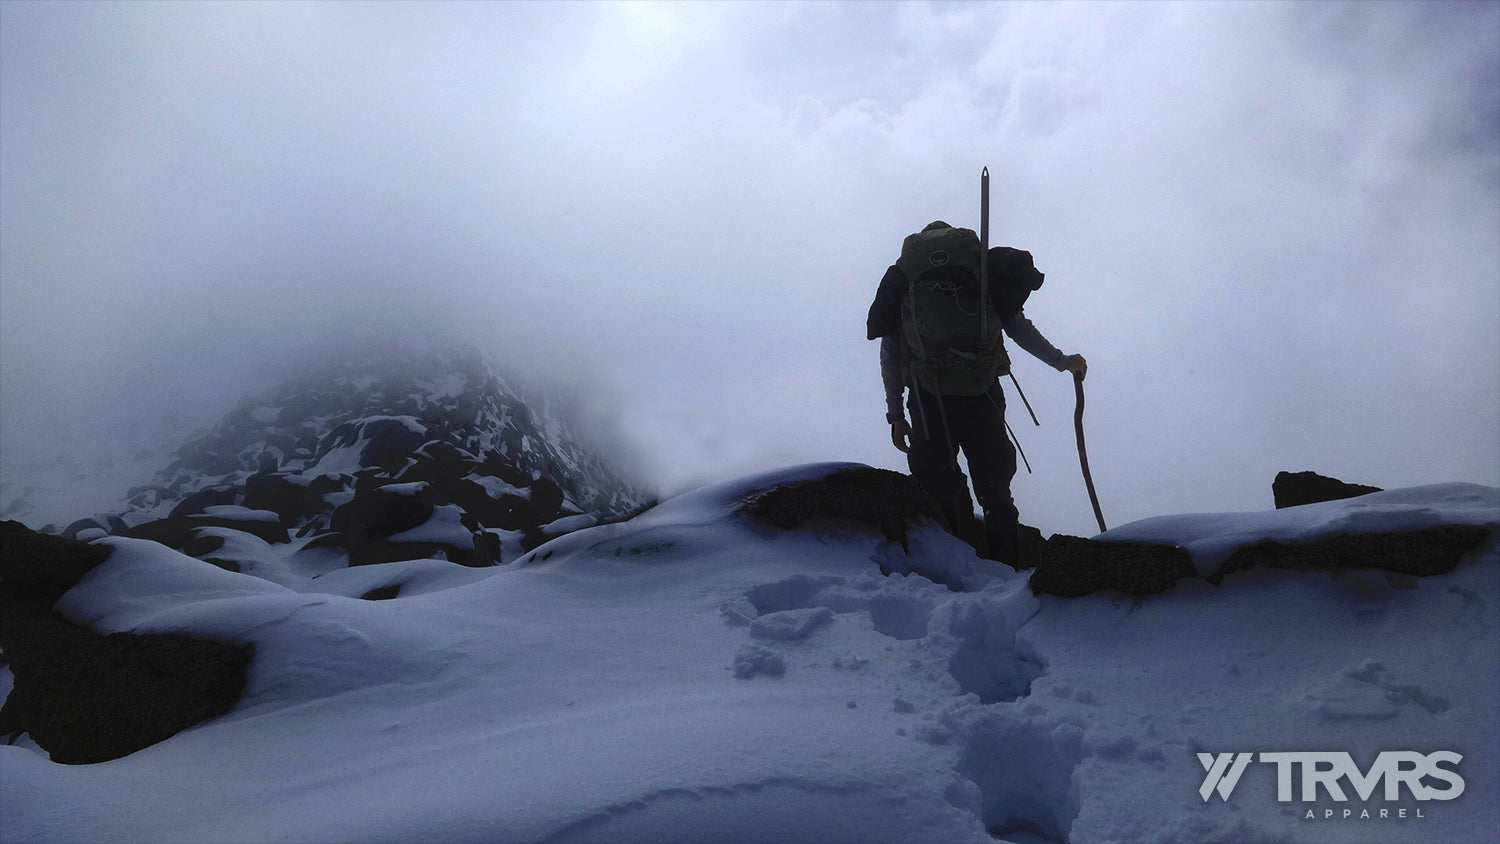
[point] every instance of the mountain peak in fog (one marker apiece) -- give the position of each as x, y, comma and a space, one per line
438, 433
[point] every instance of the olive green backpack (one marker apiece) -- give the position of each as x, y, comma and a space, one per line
950, 348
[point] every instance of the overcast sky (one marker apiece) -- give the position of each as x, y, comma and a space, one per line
1273, 229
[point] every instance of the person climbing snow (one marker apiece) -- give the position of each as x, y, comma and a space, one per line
940, 332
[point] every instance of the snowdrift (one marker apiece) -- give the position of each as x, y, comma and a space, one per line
692, 675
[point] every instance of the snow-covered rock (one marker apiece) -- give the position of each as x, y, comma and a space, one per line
690, 675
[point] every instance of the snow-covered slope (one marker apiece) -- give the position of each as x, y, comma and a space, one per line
690, 676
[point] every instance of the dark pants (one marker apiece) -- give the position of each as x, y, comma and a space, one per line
941, 427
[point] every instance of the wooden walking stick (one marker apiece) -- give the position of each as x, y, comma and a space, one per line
1083, 457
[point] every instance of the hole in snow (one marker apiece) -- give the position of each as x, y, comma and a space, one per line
900, 616
1024, 830
988, 662
1027, 803
996, 677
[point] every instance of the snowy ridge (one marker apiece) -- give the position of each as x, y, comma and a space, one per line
691, 676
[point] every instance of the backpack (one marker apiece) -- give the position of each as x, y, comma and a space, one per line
950, 350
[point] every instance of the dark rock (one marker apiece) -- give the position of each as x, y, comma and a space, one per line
880, 498
200, 544
267, 463
488, 544
50, 565
86, 523
1031, 548
547, 497
374, 549
532, 538
108, 522
182, 533
388, 440
445, 455
517, 513
201, 500
86, 698
384, 510
334, 539
328, 484
285, 495
1071, 567
484, 511
425, 470
1293, 489
495, 468
448, 484
476, 502
377, 513
1416, 553
173, 533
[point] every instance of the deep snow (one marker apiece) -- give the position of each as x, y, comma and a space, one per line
689, 676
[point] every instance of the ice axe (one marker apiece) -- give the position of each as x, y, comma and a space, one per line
1083, 455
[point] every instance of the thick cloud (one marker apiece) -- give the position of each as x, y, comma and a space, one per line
1274, 229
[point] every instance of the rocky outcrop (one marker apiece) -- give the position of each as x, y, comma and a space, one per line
185, 534
1422, 552
86, 697
386, 523
1293, 489
889, 502
1070, 567
44, 565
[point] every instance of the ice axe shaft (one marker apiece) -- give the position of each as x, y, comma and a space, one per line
1083, 455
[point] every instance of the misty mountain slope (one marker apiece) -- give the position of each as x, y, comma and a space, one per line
692, 675
408, 454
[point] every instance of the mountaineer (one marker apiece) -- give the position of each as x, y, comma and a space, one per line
940, 328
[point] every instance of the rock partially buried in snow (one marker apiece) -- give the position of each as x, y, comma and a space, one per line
1293, 489
1070, 567
185, 534
875, 498
49, 565
1421, 552
85, 697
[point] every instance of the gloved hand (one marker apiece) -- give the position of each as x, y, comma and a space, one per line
901, 435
